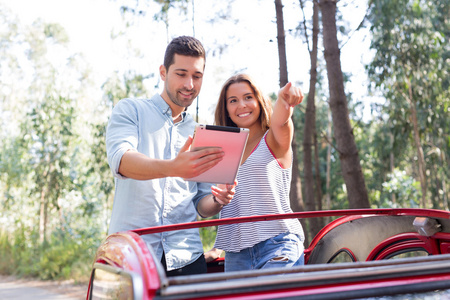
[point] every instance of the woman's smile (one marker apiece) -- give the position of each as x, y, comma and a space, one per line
243, 115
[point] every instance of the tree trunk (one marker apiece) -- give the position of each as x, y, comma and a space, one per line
43, 217
296, 187
317, 179
43, 201
328, 180
313, 82
345, 141
310, 121
391, 162
296, 199
420, 156
281, 38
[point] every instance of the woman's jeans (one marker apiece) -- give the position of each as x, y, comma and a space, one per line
283, 250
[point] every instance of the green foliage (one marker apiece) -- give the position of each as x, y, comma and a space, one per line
7, 257
59, 258
52, 213
57, 32
62, 257
48, 136
405, 189
130, 85
140, 8
208, 237
410, 39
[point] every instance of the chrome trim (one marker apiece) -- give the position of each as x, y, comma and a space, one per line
136, 279
303, 277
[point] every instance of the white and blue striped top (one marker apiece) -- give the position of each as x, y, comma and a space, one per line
263, 188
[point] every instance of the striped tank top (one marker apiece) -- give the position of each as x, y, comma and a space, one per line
263, 188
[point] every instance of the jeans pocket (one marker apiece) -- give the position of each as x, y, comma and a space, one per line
285, 238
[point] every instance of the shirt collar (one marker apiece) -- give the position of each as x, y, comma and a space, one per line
165, 108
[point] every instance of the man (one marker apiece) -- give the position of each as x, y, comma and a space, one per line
148, 144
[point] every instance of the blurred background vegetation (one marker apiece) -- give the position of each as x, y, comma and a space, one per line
56, 189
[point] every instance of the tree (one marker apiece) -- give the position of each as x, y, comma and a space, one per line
99, 173
49, 198
412, 50
48, 111
48, 134
343, 131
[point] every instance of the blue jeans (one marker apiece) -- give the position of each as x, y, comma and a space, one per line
283, 250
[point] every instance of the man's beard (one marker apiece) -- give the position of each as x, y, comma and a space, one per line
180, 102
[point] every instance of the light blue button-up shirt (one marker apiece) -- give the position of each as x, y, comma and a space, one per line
146, 126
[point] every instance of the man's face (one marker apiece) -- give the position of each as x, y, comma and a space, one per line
183, 80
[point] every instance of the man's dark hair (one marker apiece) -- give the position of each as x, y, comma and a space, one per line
183, 45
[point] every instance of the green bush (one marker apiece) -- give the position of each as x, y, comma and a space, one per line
6, 257
62, 257
208, 236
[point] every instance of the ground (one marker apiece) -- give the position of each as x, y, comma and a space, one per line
24, 288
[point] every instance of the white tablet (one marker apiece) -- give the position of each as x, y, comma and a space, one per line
232, 140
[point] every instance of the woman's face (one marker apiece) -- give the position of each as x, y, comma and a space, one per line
242, 105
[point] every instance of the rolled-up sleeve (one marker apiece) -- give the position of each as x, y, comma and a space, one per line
204, 189
122, 134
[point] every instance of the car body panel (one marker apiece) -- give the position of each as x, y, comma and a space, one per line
369, 237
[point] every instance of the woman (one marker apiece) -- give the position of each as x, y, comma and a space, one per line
263, 179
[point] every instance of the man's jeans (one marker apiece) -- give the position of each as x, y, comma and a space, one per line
283, 250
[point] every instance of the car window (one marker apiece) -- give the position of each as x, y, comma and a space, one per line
414, 253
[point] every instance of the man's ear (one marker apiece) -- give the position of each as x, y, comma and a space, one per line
162, 72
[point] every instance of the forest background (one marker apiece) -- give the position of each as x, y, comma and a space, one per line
373, 129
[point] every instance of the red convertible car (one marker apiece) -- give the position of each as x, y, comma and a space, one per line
364, 253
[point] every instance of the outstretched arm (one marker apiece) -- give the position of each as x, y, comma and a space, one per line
281, 130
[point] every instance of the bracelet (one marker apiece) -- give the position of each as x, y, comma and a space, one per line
215, 200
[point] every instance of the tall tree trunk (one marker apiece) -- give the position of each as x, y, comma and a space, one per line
43, 217
328, 180
296, 199
348, 153
281, 38
444, 194
44, 201
391, 163
318, 181
310, 122
420, 156
312, 90
443, 183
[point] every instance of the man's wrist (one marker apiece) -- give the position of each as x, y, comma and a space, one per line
215, 201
